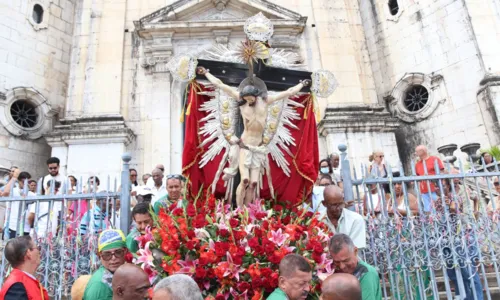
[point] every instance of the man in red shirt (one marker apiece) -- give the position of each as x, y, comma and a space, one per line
427, 188
24, 257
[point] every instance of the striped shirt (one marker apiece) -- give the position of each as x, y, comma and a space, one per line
95, 220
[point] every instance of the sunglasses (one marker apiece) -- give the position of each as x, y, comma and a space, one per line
120, 253
53, 168
496, 183
175, 176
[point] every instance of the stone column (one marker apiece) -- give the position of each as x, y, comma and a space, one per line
176, 127
488, 98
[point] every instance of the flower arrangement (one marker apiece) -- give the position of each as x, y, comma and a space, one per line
233, 253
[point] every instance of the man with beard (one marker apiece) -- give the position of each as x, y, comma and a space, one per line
111, 251
294, 280
142, 218
345, 260
130, 283
53, 167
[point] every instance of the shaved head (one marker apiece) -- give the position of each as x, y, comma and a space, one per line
333, 200
421, 151
341, 287
160, 166
130, 283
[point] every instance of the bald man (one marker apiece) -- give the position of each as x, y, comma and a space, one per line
130, 283
427, 188
341, 287
341, 220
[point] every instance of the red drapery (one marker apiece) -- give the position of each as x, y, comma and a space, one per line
303, 164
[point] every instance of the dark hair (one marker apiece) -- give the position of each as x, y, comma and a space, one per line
330, 170
141, 208
130, 171
57, 186
96, 180
327, 177
31, 181
292, 263
76, 181
23, 176
338, 241
53, 160
16, 249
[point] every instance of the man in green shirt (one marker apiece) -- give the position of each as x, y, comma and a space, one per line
174, 194
111, 251
294, 280
345, 260
142, 219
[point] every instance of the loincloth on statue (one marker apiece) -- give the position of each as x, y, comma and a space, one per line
255, 157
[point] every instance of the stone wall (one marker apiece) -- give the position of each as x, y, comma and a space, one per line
433, 38
37, 56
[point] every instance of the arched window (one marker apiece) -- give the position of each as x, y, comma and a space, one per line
37, 13
393, 7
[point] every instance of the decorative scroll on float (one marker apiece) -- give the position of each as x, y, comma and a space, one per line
276, 155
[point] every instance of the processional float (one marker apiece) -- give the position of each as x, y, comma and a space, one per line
250, 120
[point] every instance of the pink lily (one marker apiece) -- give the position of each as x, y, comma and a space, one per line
188, 266
231, 268
239, 296
278, 237
145, 256
142, 239
324, 268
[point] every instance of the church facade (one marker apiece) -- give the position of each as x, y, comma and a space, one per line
86, 80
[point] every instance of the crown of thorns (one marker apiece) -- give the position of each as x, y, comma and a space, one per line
250, 90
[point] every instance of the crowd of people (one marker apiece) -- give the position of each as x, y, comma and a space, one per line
353, 279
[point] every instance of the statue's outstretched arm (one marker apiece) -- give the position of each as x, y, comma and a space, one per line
288, 93
218, 83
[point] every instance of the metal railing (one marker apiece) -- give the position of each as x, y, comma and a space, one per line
65, 225
438, 251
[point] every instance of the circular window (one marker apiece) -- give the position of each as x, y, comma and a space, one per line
416, 98
24, 113
37, 13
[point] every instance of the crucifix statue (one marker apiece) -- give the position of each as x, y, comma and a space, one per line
248, 154
267, 117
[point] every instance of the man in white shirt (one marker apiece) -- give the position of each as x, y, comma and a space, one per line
150, 181
341, 220
17, 206
335, 163
53, 167
159, 187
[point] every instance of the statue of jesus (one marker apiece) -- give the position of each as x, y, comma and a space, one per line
249, 153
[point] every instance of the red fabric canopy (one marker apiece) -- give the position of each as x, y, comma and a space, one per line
303, 164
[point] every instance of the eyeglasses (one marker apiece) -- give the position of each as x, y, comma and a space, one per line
496, 183
117, 253
53, 168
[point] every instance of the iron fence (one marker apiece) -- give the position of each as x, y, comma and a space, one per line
442, 245
65, 225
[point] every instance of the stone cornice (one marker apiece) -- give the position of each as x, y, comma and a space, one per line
90, 130
357, 118
487, 82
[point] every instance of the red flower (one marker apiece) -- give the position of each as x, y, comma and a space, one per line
177, 212
200, 273
190, 210
234, 223
318, 248
221, 248
243, 286
220, 297
286, 220
199, 221
278, 208
223, 233
253, 242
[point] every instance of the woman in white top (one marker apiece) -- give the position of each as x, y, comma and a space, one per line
399, 201
373, 203
377, 168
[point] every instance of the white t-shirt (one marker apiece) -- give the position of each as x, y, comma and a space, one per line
49, 177
317, 199
15, 207
46, 221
